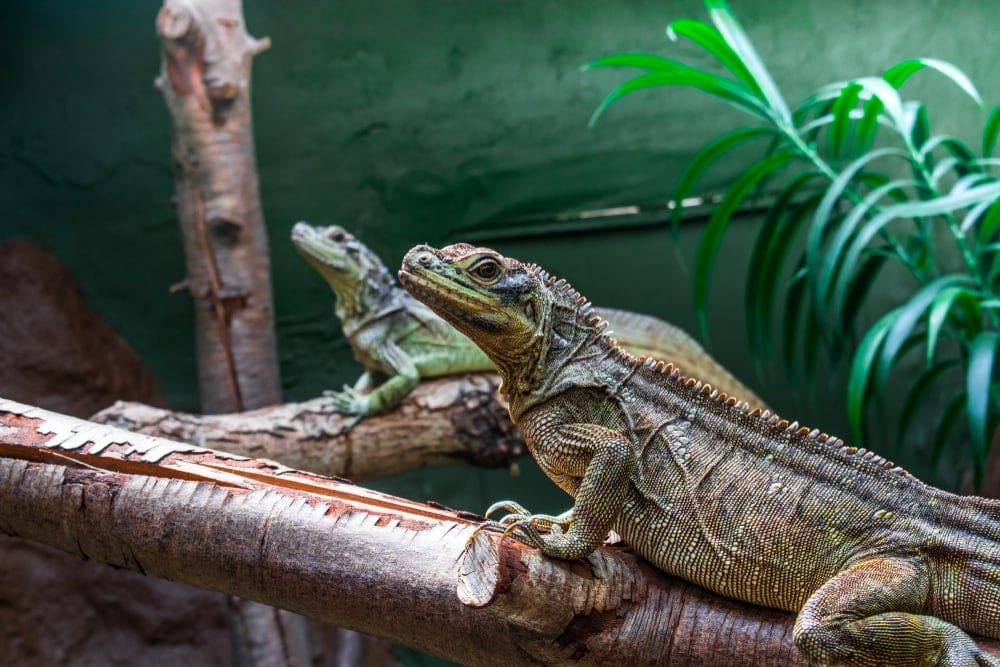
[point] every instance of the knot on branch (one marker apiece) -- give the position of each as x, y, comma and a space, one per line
173, 22
226, 231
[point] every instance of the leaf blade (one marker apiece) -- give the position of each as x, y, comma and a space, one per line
860, 377
737, 39
707, 156
979, 379
899, 73
711, 238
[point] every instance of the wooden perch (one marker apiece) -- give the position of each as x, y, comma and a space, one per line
455, 419
382, 565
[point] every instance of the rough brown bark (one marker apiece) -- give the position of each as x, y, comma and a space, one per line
205, 80
455, 419
382, 565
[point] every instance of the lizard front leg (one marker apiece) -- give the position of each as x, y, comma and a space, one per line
593, 463
870, 614
403, 377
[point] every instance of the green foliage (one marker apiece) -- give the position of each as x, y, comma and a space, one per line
861, 182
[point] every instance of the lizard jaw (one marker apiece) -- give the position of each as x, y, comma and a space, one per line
427, 289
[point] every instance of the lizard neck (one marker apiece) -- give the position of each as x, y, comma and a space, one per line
362, 292
570, 349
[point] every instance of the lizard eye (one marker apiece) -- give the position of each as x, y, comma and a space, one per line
487, 269
338, 237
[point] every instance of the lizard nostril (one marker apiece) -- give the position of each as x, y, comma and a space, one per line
424, 259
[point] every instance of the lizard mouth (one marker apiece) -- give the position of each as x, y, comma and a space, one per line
428, 289
316, 247
319, 252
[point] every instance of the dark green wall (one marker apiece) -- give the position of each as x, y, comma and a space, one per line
412, 121
421, 120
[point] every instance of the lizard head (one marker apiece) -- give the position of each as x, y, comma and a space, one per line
515, 312
353, 271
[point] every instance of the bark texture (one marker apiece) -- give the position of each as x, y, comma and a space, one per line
455, 419
382, 565
205, 80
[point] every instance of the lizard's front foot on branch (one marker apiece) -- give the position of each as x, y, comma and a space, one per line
518, 514
350, 401
528, 528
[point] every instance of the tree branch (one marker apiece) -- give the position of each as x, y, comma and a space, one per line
337, 552
455, 419
205, 81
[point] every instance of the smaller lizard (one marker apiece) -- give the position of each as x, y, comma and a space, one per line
399, 340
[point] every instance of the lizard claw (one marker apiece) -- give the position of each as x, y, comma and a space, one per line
509, 506
522, 530
523, 525
525, 531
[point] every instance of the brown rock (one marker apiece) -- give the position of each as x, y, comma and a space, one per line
54, 353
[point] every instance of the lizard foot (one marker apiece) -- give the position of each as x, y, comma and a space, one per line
524, 526
349, 401
549, 534
518, 514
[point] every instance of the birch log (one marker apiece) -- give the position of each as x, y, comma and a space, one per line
413, 573
205, 81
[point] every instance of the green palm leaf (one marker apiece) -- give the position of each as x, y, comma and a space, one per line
712, 41
708, 156
719, 221
990, 131
840, 128
860, 378
944, 204
899, 73
767, 260
725, 89
978, 387
731, 31
906, 317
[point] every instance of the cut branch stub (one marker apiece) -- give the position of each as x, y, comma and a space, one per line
612, 606
209, 38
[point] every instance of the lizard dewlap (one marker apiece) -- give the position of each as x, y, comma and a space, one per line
881, 568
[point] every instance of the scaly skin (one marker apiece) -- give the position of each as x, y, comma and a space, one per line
399, 340
881, 568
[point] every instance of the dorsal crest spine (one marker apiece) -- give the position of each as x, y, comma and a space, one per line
693, 386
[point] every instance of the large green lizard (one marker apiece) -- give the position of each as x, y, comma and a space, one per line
398, 340
881, 568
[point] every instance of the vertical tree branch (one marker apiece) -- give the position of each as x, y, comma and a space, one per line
205, 81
